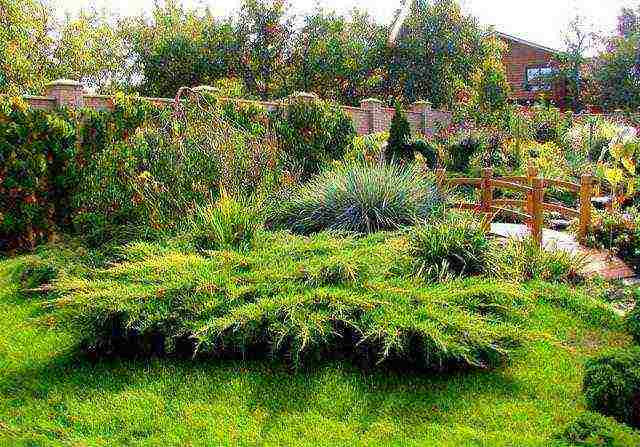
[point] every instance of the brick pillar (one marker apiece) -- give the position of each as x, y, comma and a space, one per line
374, 108
67, 93
423, 108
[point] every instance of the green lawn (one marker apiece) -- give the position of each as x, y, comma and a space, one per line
50, 396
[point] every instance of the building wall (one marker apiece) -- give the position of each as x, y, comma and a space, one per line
520, 56
370, 117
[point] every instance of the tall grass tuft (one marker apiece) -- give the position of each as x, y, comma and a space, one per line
361, 198
523, 260
230, 223
454, 243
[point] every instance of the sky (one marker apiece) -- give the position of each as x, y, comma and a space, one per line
540, 21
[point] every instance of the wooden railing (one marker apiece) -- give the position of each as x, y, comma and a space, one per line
533, 207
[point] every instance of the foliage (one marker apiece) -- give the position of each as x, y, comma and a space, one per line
312, 133
619, 232
340, 58
359, 197
175, 164
633, 323
367, 148
612, 385
398, 148
230, 223
454, 44
614, 72
594, 430
24, 43
455, 243
180, 47
488, 102
523, 260
31, 172
462, 146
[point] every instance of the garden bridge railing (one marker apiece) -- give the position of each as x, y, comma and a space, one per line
532, 209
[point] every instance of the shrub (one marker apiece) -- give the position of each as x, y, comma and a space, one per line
619, 232
359, 197
594, 430
156, 180
428, 151
612, 385
293, 298
399, 148
230, 223
524, 260
312, 133
44, 155
464, 145
633, 323
368, 148
456, 242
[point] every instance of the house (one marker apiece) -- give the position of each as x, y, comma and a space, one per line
530, 70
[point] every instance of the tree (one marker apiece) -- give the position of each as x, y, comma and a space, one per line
616, 71
572, 62
25, 46
489, 90
180, 47
266, 28
93, 48
399, 145
339, 58
436, 53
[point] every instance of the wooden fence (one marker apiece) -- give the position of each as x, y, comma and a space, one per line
533, 207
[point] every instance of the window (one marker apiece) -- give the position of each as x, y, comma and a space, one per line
539, 78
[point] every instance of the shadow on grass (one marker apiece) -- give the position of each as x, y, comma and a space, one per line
269, 385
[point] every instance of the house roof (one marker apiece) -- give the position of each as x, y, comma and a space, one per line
525, 42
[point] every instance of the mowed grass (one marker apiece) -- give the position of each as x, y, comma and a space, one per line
49, 395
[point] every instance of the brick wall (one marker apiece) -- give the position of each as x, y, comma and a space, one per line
517, 58
370, 117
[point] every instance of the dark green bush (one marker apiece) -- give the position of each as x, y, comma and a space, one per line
455, 242
398, 147
595, 430
633, 323
311, 133
44, 155
359, 197
463, 146
428, 151
612, 385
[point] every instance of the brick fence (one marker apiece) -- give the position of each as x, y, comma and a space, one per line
370, 117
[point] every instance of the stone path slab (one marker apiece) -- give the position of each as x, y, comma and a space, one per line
598, 262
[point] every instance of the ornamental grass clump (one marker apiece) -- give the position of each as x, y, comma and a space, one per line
231, 222
456, 242
361, 198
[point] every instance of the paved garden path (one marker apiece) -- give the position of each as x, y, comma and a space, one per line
598, 262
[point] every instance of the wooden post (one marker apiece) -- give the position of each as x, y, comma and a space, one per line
537, 211
586, 182
532, 174
441, 176
487, 196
